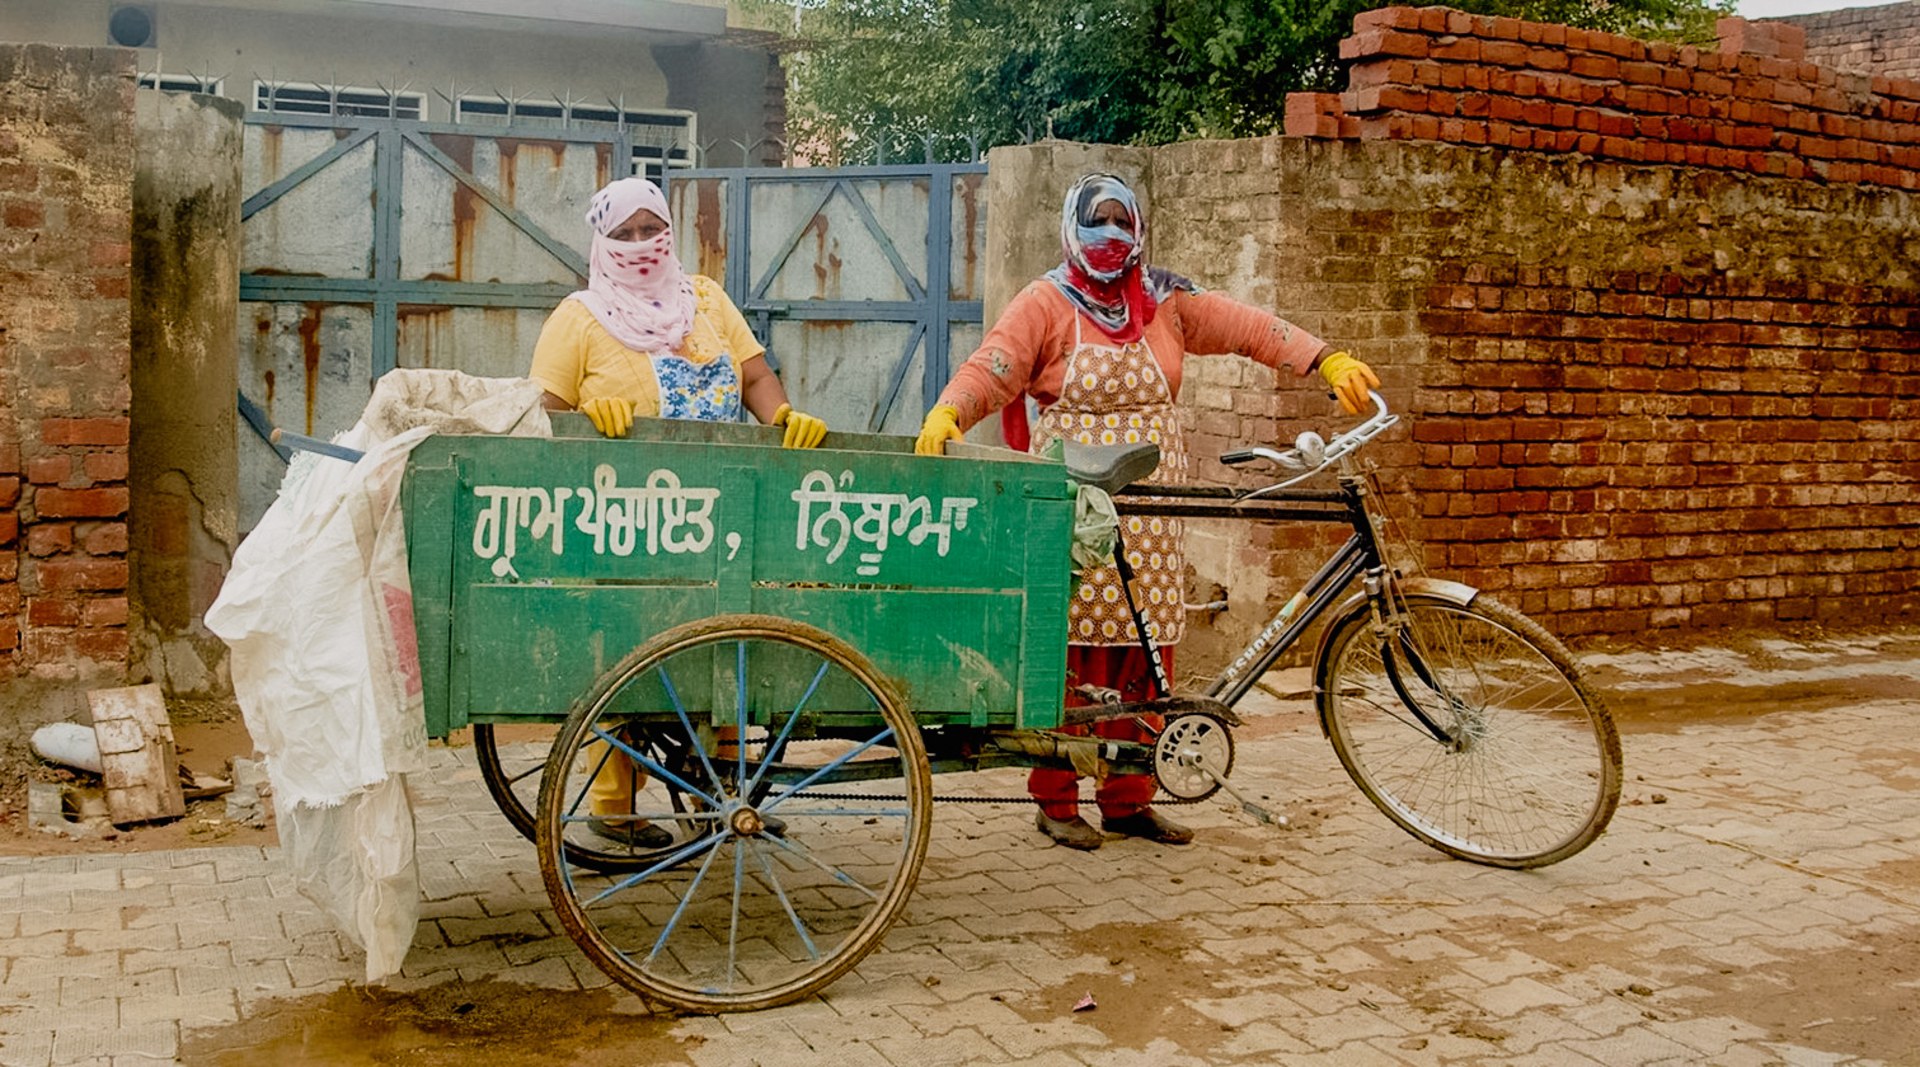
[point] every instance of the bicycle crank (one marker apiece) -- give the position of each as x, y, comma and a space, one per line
1192, 758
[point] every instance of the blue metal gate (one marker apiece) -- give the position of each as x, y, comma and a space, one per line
374, 243
863, 282
371, 243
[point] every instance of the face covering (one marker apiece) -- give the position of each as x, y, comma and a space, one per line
636, 289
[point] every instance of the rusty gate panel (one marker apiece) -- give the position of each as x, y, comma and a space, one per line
306, 366
493, 342
451, 233
322, 225
863, 283
375, 243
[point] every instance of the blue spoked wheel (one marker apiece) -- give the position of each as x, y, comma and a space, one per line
511, 765
780, 880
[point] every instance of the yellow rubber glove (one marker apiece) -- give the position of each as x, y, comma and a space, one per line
1349, 379
803, 430
611, 415
942, 424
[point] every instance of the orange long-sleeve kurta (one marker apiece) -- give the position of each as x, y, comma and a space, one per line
1027, 349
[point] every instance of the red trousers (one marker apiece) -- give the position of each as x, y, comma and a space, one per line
1121, 667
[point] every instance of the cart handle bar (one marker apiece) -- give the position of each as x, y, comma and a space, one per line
289, 439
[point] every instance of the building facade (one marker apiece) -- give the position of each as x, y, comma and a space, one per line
670, 70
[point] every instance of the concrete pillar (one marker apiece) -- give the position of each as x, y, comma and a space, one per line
186, 255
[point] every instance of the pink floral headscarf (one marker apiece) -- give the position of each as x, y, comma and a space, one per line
636, 288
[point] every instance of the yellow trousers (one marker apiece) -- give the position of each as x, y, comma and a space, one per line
619, 780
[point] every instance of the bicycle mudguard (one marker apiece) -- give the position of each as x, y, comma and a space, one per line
1459, 594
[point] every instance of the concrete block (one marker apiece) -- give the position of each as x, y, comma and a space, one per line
48, 811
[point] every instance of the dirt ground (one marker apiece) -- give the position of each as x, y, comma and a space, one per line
461, 1023
204, 742
1858, 1000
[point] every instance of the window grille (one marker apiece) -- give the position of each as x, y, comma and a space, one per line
295, 98
181, 83
661, 139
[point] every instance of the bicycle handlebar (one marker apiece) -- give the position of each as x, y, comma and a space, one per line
1310, 454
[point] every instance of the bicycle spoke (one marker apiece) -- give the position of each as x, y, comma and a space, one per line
649, 816
634, 755
838, 762
686, 853
740, 713
733, 923
785, 729
693, 738
833, 872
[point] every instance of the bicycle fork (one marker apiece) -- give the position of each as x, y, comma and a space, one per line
1391, 630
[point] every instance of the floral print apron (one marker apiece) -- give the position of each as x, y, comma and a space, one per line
1118, 395
709, 392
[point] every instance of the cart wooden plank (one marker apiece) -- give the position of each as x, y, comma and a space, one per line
538, 564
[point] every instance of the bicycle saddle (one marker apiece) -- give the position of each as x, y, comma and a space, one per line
1111, 467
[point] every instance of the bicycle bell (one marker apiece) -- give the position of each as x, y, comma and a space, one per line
1312, 448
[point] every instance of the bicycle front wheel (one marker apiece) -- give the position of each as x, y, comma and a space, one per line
1472, 729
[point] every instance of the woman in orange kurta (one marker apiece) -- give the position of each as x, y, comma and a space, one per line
1100, 343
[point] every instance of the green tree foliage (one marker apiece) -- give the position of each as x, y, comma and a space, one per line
898, 72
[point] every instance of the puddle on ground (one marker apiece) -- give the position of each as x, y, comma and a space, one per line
1852, 1001
500, 1023
1151, 972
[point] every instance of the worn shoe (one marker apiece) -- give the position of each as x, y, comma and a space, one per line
1073, 833
1149, 824
631, 834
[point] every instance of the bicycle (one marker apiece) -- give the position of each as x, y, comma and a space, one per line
1464, 721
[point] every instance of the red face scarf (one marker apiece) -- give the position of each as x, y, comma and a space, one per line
1100, 271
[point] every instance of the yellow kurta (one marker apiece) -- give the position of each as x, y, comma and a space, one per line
577, 359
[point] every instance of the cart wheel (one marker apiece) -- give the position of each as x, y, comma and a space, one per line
511, 769
795, 879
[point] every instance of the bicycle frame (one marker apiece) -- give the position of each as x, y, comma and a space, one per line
1360, 555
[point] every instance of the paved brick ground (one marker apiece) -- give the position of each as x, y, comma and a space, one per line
1754, 903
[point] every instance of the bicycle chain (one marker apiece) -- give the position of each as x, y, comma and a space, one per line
1159, 798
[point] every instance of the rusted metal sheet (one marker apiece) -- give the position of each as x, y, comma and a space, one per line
308, 366
699, 207
966, 277
323, 227
863, 282
494, 342
450, 233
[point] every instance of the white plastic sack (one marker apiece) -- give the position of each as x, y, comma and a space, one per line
355, 860
318, 610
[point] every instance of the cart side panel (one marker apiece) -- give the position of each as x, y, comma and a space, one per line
954, 655
1043, 624
428, 502
565, 554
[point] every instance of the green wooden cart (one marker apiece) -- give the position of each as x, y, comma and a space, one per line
747, 649
741, 666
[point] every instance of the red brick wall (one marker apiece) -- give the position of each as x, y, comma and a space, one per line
1877, 40
66, 175
1755, 104
1637, 397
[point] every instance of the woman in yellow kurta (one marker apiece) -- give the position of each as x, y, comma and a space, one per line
645, 339
1100, 342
